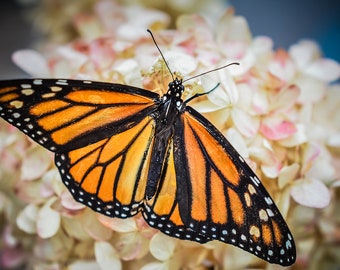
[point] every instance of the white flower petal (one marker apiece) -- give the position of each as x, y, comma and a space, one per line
48, 220
271, 171
226, 94
162, 247
106, 256
27, 218
84, 265
304, 53
118, 224
245, 123
130, 70
288, 174
181, 62
35, 164
96, 229
205, 106
334, 140
326, 70
236, 139
156, 266
262, 45
311, 192
32, 62
311, 89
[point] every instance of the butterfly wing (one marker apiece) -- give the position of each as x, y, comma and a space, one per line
101, 134
62, 115
209, 192
110, 176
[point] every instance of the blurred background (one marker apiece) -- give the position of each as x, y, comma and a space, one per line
286, 22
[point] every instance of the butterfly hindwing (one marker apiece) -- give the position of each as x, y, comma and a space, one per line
68, 114
110, 176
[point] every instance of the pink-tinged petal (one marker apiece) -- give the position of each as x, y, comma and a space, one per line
288, 174
12, 257
118, 224
299, 137
284, 98
9, 238
69, 202
161, 251
245, 123
35, 164
275, 128
48, 220
311, 153
282, 66
27, 219
101, 53
197, 32
74, 55
311, 193
32, 62
326, 70
106, 256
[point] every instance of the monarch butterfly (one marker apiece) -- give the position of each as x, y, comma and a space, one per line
121, 150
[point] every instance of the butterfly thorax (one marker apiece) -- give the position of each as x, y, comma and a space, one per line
170, 106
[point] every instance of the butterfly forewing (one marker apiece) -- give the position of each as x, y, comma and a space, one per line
68, 114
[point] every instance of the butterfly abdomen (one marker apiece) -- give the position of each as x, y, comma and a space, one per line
165, 118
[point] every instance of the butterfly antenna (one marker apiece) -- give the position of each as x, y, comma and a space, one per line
234, 63
166, 63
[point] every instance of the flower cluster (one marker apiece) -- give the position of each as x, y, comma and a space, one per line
278, 108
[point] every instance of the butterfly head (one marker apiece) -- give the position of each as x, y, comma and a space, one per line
176, 89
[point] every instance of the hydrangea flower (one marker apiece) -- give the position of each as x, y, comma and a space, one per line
278, 108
